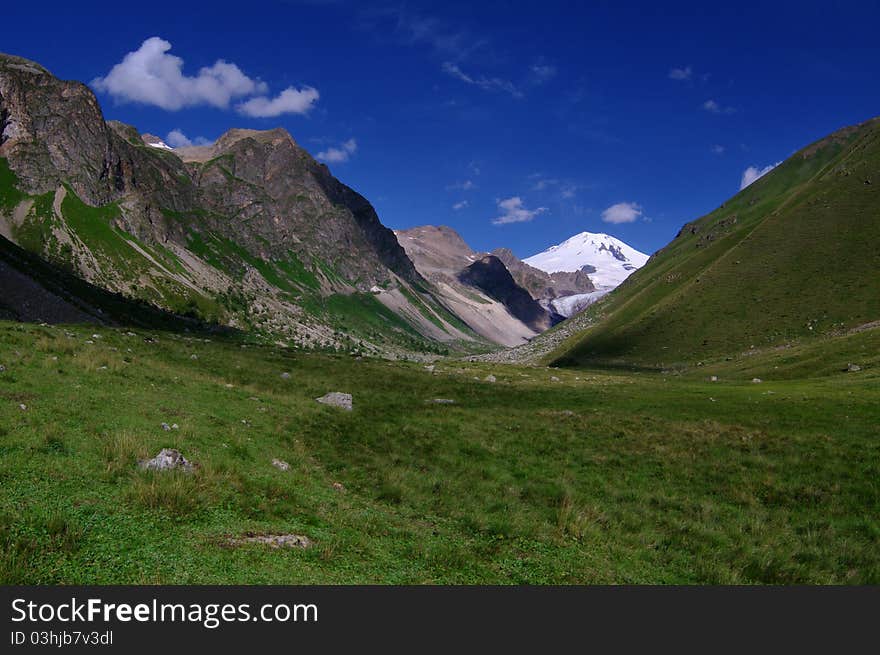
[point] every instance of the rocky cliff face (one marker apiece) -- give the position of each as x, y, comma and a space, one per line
52, 132
289, 200
544, 287
491, 276
250, 231
484, 296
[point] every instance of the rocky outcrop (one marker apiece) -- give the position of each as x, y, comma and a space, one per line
289, 201
53, 132
491, 276
441, 255
544, 287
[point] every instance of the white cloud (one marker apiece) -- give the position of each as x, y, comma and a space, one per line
714, 108
718, 150
177, 139
289, 101
151, 76
460, 205
542, 183
681, 73
413, 28
563, 188
467, 185
338, 155
622, 212
515, 211
752, 173
485, 83
540, 73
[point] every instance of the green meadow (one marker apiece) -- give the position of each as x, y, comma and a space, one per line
614, 475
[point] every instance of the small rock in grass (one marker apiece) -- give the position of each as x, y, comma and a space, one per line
168, 459
336, 399
174, 426
430, 368
553, 378
285, 376
713, 378
2, 368
853, 368
193, 356
280, 464
442, 401
757, 380
166, 427
23, 407
339, 486
273, 540
490, 378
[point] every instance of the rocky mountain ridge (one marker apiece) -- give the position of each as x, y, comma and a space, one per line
254, 233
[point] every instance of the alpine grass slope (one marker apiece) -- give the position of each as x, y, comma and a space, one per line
792, 257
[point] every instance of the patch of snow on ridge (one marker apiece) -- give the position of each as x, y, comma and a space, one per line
160, 144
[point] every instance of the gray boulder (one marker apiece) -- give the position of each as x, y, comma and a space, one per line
273, 540
168, 459
336, 399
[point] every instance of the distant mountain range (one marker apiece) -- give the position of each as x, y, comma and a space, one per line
252, 233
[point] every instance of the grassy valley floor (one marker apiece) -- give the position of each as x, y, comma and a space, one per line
544, 476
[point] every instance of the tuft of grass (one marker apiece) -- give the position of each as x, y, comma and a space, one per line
121, 451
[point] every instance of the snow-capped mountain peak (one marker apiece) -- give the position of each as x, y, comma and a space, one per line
607, 260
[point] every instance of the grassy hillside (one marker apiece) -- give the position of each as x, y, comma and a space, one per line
793, 256
545, 476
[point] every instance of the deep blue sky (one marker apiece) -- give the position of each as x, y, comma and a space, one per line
571, 108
